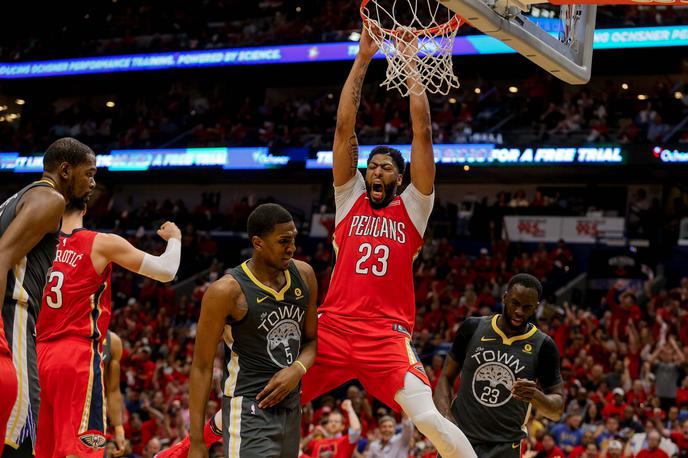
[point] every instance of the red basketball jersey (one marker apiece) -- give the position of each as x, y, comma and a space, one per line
76, 300
372, 281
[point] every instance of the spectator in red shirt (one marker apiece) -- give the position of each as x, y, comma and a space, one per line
624, 310
141, 432
583, 450
652, 450
614, 449
680, 438
549, 448
617, 406
145, 368
682, 394
637, 394
334, 444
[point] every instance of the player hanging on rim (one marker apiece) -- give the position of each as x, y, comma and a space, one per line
269, 302
502, 359
29, 225
367, 318
73, 326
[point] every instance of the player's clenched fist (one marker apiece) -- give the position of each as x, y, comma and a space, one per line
279, 386
169, 230
524, 390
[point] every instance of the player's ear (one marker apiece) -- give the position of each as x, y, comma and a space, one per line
64, 170
257, 242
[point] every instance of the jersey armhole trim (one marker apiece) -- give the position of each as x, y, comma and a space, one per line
350, 196
412, 196
229, 321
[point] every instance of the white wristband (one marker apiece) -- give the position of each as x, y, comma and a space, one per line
164, 267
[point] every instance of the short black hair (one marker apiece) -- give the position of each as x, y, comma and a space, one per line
265, 217
527, 281
394, 153
68, 150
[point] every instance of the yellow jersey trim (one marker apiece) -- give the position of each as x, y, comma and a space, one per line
509, 340
50, 182
278, 295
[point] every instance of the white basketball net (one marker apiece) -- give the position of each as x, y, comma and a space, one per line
569, 15
394, 25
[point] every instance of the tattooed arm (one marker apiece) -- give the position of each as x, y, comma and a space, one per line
345, 148
422, 156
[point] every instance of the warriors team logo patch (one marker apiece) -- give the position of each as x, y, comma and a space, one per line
284, 341
492, 384
93, 440
283, 334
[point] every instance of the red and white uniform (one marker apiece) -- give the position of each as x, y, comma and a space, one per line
75, 315
366, 322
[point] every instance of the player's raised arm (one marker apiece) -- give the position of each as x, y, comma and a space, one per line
345, 148
422, 156
218, 303
38, 214
113, 248
113, 393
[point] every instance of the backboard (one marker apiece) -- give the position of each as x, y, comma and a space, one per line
566, 54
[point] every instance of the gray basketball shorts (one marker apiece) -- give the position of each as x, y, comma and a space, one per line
251, 432
498, 449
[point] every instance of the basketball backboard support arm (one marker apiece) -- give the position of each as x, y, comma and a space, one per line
569, 62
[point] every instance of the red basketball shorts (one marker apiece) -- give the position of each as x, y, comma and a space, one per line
72, 416
380, 362
8, 388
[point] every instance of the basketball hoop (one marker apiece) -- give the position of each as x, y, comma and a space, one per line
400, 27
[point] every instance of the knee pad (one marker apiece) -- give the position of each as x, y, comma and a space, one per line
430, 423
445, 435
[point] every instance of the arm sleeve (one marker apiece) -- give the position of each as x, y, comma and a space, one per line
419, 206
463, 337
164, 267
345, 196
548, 372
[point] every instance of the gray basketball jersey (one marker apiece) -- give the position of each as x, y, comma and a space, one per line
484, 407
26, 280
20, 308
268, 338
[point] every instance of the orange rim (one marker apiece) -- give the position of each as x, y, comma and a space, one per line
442, 29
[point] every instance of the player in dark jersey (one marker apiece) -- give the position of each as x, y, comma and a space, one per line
269, 302
507, 365
72, 327
29, 226
112, 354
